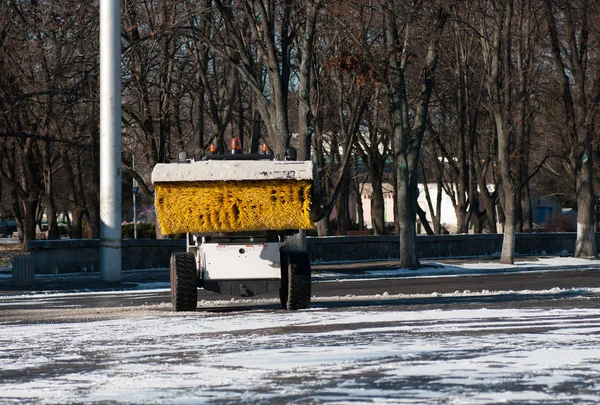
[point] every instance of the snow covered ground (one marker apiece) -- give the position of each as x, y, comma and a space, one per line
444, 267
323, 355
386, 353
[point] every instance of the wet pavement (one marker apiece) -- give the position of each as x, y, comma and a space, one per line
159, 278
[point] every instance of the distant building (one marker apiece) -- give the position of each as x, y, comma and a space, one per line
544, 210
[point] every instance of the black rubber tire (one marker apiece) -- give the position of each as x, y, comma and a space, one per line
295, 289
184, 282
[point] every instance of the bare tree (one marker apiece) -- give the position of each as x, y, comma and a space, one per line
496, 47
579, 80
408, 138
262, 33
305, 117
42, 87
375, 149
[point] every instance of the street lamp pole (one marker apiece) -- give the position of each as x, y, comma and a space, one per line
135, 191
110, 140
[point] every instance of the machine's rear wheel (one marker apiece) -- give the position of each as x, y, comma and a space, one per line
184, 282
295, 289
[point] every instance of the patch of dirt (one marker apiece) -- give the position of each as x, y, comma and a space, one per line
7, 251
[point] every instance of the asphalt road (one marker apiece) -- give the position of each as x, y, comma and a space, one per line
416, 293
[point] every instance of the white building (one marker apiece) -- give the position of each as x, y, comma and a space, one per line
542, 208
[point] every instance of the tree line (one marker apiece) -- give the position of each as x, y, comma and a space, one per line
462, 94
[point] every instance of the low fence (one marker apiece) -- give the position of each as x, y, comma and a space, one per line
362, 248
82, 255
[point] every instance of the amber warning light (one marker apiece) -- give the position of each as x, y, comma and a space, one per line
236, 145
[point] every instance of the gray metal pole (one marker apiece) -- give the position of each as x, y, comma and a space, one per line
135, 189
110, 140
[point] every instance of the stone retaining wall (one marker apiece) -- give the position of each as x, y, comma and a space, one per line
82, 255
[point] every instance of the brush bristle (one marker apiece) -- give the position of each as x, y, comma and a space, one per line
233, 206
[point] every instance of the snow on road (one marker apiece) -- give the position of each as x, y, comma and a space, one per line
378, 354
471, 266
350, 355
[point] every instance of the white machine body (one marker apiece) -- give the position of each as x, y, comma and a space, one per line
233, 170
243, 262
240, 261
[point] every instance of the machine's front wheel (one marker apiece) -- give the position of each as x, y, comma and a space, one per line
295, 280
184, 282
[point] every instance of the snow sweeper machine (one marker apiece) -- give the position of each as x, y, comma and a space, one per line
242, 214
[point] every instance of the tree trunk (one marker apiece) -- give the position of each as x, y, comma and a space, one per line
437, 222
462, 201
49, 192
579, 117
305, 129
324, 227
16, 210
525, 69
93, 212
94, 220
255, 146
377, 205
510, 232
510, 197
76, 231
485, 196
407, 139
198, 131
29, 221
68, 225
526, 208
360, 214
51, 218
462, 218
585, 246
490, 215
500, 205
407, 224
498, 61
423, 219
478, 221
343, 212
